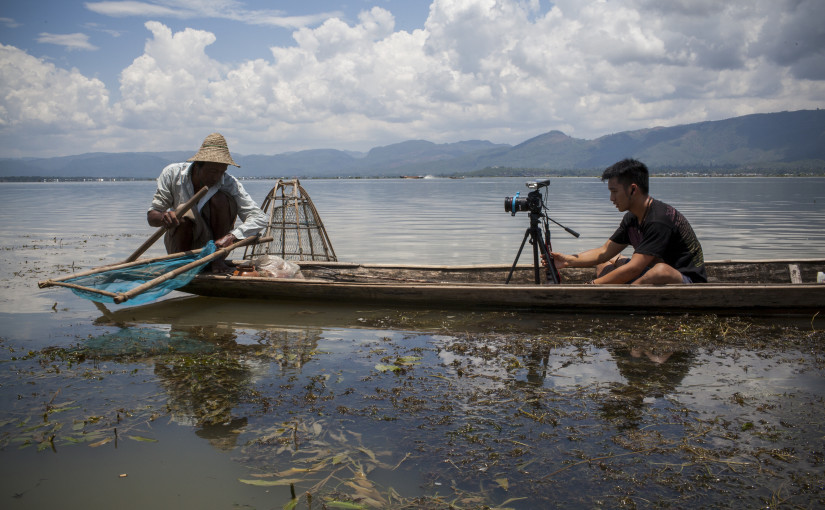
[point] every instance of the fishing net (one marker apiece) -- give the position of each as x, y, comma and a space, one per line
122, 280
294, 225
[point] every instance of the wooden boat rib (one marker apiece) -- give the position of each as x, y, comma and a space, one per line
734, 286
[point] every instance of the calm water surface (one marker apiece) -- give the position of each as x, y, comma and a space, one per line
209, 403
446, 221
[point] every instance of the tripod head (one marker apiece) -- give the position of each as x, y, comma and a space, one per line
535, 204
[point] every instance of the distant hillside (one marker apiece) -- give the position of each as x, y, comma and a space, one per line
772, 142
309, 163
412, 156
138, 165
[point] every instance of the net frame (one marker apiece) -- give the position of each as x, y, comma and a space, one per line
294, 224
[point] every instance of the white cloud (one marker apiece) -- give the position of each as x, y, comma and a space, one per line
190, 9
9, 23
43, 107
130, 8
98, 28
69, 41
169, 85
502, 70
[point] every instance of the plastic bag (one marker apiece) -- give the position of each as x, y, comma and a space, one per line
273, 266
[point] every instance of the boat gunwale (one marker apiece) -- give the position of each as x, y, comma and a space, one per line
465, 267
481, 285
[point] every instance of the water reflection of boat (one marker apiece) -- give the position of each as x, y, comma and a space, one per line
740, 287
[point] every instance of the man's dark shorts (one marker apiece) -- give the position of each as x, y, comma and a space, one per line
624, 260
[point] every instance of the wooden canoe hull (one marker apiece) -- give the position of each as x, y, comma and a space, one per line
469, 287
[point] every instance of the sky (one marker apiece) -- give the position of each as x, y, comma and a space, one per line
278, 76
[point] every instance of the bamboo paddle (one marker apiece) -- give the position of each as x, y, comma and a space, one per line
180, 211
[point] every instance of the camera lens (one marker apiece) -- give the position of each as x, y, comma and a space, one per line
515, 204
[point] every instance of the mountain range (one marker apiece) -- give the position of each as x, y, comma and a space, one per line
783, 142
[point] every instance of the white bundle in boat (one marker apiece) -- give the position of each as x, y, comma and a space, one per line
273, 266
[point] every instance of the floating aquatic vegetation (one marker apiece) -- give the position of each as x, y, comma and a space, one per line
682, 412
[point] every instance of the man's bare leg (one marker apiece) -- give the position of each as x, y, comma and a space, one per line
180, 239
221, 222
660, 274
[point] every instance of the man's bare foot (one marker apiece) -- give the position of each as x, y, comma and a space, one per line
220, 267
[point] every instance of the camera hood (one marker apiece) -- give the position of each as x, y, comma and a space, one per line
538, 184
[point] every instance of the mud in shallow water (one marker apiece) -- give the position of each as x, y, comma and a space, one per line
434, 409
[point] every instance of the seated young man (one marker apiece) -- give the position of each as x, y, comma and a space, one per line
666, 249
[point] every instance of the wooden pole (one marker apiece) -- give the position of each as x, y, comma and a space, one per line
87, 289
180, 211
223, 252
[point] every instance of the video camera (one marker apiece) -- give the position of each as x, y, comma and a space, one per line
533, 202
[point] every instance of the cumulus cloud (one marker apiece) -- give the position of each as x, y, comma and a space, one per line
170, 83
503, 70
40, 99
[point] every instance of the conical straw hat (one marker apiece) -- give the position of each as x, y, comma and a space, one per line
214, 149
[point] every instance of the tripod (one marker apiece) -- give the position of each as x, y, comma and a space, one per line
537, 240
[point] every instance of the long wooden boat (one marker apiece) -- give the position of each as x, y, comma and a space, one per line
747, 287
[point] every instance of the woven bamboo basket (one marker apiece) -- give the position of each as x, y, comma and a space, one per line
295, 226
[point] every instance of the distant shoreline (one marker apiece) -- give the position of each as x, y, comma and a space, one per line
24, 179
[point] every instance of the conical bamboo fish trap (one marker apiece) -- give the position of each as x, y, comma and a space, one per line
295, 226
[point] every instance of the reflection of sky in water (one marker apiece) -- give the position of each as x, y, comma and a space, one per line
717, 376
564, 367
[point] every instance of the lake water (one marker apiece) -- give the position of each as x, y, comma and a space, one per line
210, 403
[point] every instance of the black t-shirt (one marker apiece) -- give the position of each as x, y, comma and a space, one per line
666, 234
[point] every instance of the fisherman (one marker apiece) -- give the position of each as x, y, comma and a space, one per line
666, 248
213, 218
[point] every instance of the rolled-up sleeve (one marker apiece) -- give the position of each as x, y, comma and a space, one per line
252, 217
164, 198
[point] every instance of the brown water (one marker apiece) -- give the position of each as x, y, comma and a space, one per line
209, 403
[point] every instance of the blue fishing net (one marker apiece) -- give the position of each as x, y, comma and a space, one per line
123, 280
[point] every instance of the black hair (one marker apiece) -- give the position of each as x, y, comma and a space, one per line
627, 172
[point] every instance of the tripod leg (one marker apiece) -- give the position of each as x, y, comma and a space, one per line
552, 274
526, 234
535, 239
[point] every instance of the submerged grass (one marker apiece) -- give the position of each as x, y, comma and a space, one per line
490, 411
